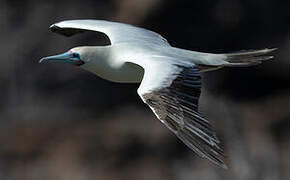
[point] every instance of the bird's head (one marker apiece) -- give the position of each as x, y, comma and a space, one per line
73, 56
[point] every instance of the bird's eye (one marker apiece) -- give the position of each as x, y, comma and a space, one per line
75, 55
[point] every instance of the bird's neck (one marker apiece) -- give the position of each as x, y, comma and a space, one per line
96, 54
96, 58
104, 62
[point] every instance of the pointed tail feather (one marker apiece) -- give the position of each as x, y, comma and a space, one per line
248, 58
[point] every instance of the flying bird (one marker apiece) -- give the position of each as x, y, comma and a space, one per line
170, 77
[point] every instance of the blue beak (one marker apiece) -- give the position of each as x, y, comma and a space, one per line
68, 57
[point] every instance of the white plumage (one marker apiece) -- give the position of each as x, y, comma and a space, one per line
170, 76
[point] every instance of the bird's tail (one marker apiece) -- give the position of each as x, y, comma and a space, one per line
247, 58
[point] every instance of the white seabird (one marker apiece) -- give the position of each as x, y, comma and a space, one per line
170, 77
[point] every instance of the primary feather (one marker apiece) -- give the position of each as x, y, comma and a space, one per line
174, 100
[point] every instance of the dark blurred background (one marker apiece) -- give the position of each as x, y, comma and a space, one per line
60, 122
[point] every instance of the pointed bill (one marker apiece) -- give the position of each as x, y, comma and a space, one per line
68, 57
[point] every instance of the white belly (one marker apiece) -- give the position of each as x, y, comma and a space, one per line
127, 73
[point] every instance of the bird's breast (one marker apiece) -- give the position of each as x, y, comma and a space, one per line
124, 73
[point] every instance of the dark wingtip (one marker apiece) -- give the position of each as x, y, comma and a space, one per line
64, 31
54, 28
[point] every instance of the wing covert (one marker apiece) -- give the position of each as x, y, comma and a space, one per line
116, 32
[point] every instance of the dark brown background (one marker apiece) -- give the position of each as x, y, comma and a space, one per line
60, 122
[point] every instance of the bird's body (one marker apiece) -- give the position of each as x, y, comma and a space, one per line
170, 77
114, 60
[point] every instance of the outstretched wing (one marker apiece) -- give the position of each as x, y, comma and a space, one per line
172, 91
116, 32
